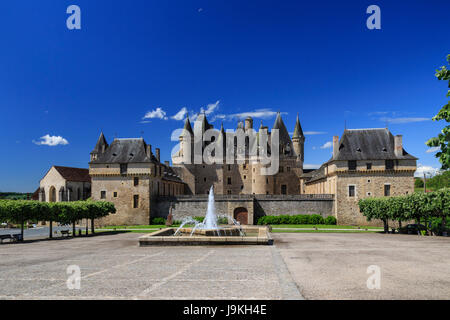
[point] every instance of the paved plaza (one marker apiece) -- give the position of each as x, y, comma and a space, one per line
298, 266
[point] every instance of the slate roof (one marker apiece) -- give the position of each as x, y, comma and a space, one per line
368, 144
125, 151
284, 134
100, 142
74, 174
171, 175
298, 131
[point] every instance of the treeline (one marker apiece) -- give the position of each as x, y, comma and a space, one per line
21, 211
14, 195
417, 206
437, 182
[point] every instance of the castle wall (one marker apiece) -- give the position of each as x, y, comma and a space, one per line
257, 206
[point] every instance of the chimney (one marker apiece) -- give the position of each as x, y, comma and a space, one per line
335, 146
398, 145
158, 155
149, 150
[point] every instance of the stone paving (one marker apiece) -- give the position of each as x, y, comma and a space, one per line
114, 267
309, 265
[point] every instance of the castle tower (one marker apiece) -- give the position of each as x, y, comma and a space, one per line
248, 123
100, 147
186, 142
298, 140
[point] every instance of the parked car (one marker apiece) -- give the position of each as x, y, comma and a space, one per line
413, 228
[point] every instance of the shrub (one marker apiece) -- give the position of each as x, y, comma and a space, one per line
295, 219
316, 219
330, 220
222, 220
199, 219
158, 221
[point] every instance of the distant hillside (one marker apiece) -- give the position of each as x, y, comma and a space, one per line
14, 195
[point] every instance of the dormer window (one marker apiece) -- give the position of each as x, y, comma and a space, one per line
352, 165
384, 150
358, 149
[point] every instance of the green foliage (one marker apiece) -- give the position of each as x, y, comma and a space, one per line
439, 181
295, 219
443, 138
418, 183
19, 211
330, 220
158, 221
417, 206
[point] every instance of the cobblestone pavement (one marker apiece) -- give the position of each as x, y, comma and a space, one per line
309, 265
114, 267
334, 266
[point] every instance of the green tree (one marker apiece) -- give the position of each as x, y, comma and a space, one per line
442, 140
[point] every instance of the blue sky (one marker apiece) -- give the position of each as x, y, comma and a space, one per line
130, 58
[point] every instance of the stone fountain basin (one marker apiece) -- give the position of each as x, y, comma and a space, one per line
254, 236
222, 231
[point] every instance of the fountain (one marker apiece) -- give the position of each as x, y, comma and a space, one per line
207, 232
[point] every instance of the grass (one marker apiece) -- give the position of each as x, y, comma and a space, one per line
287, 230
322, 226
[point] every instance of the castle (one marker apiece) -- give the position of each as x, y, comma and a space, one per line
364, 163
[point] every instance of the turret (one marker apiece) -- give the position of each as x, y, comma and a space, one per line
186, 142
298, 140
100, 147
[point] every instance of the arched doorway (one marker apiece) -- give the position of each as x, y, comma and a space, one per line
241, 215
52, 194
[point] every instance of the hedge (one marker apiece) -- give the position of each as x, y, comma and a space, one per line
296, 219
21, 211
417, 206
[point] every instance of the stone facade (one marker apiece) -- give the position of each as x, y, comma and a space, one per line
254, 205
365, 163
242, 176
65, 184
128, 174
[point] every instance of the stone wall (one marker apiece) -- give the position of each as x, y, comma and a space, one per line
256, 205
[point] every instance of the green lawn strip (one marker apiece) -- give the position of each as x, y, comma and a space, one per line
322, 226
287, 230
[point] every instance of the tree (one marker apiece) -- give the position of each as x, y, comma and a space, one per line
442, 140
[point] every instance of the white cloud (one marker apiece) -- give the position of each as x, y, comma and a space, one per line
51, 141
159, 113
312, 133
258, 113
180, 114
403, 120
327, 145
311, 166
421, 169
433, 149
210, 108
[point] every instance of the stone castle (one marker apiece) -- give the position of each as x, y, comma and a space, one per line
365, 163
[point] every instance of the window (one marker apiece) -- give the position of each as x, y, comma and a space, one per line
351, 191
242, 187
352, 165
245, 177
229, 168
267, 180
102, 194
123, 168
281, 169
204, 179
283, 189
368, 181
288, 169
369, 166
244, 166
228, 191
229, 180
389, 164
369, 194
136, 201
136, 181
115, 194
387, 190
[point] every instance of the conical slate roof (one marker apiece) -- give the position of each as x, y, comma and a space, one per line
187, 127
284, 134
100, 143
298, 132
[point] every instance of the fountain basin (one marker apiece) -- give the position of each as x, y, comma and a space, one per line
165, 237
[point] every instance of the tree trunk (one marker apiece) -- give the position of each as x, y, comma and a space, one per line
399, 224
87, 226
73, 229
21, 229
92, 226
386, 226
50, 225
